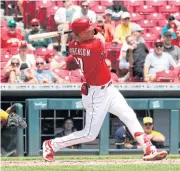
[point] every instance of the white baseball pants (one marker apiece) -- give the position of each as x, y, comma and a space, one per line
97, 103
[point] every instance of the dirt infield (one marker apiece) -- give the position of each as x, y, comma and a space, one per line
98, 162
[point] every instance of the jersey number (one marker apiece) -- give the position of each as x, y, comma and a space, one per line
80, 63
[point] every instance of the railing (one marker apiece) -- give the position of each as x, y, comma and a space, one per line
35, 105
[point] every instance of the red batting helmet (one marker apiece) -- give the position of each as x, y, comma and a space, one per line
82, 24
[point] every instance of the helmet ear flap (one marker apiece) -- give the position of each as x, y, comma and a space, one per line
95, 31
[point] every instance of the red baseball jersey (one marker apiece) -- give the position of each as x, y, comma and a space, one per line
10, 40
91, 58
176, 42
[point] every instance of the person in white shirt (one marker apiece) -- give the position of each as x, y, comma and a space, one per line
63, 17
157, 61
84, 12
23, 56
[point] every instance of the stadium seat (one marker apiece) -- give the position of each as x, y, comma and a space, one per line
168, 9
134, 3
149, 46
113, 53
147, 23
13, 51
64, 74
93, 4
51, 24
162, 23
156, 3
155, 16
40, 52
106, 3
98, 9
149, 37
177, 16
5, 57
29, 12
131, 9
175, 3
4, 51
3, 65
135, 17
59, 3
3, 23
76, 76
42, 11
145, 9
157, 31
44, 4
51, 10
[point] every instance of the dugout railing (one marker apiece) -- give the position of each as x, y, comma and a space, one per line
34, 106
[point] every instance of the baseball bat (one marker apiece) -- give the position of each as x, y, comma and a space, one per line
48, 35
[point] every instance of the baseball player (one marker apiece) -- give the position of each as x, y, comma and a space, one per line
99, 96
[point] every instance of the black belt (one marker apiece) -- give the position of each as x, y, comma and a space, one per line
102, 87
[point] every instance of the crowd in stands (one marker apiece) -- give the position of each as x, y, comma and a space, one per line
142, 40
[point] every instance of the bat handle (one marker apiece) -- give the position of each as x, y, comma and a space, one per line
64, 32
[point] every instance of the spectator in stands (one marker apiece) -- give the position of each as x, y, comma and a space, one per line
11, 36
114, 77
137, 32
173, 50
168, 27
157, 61
117, 10
23, 56
100, 24
84, 12
63, 17
124, 29
45, 76
177, 40
16, 73
132, 57
130, 43
124, 139
108, 26
12, 71
156, 137
52, 59
68, 128
35, 44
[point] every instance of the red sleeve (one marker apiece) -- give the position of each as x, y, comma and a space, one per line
70, 58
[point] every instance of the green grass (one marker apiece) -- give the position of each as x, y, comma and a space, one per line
85, 157
98, 168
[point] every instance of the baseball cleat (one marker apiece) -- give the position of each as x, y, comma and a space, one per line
153, 154
48, 153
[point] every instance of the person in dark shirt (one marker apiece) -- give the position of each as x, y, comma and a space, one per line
68, 128
135, 55
124, 139
117, 10
139, 56
168, 47
35, 44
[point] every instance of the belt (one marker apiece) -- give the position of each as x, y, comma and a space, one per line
102, 87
